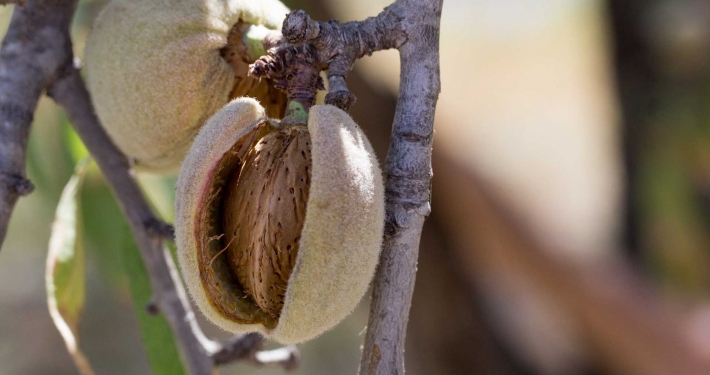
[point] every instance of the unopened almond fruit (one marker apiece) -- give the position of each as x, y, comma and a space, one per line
158, 70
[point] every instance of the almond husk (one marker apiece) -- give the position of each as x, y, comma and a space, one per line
339, 243
156, 75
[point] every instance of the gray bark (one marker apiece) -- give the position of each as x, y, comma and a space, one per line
34, 50
408, 172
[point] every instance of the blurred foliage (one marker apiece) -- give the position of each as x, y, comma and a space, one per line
113, 245
672, 141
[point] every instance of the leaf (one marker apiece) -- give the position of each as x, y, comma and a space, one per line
104, 233
73, 143
65, 274
156, 333
160, 190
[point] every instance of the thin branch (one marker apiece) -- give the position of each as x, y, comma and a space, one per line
340, 45
238, 348
28, 62
408, 187
169, 297
287, 357
247, 348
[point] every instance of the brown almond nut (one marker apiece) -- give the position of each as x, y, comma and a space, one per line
264, 210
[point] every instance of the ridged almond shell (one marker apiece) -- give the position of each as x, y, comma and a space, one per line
339, 244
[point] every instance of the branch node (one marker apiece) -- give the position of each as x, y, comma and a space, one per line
159, 229
298, 27
341, 99
237, 348
20, 185
152, 308
293, 69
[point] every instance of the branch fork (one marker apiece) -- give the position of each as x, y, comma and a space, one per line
20, 185
309, 47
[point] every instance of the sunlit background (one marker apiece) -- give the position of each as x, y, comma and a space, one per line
588, 126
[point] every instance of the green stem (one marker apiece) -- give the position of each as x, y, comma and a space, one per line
296, 114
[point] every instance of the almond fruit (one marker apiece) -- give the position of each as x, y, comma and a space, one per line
157, 71
279, 229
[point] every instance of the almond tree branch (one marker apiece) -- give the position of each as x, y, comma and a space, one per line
29, 61
412, 27
408, 187
36, 55
245, 348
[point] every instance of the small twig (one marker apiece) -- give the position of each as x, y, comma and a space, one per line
160, 229
286, 357
339, 45
169, 296
168, 293
238, 348
248, 348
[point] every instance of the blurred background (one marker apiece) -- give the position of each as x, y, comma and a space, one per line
570, 231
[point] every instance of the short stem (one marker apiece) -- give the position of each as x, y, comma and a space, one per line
296, 113
296, 71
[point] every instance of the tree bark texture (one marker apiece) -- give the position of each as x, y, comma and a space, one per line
408, 187
36, 48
